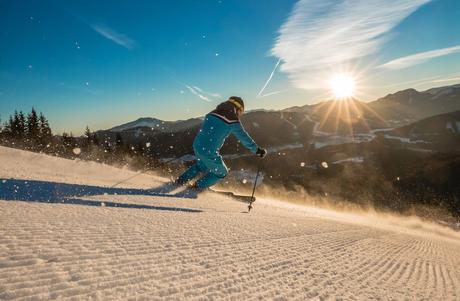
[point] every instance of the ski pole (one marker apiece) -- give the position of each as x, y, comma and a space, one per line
145, 169
253, 190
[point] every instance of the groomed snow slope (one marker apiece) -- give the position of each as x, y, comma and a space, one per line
91, 242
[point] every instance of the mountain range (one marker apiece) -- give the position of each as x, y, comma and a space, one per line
399, 114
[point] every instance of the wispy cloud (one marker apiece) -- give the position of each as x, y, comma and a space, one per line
207, 96
324, 34
119, 38
451, 79
418, 58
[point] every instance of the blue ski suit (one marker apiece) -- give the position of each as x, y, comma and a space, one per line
217, 126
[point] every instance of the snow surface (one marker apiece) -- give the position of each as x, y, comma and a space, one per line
65, 235
454, 127
358, 159
405, 140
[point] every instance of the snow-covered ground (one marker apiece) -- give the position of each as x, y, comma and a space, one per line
65, 235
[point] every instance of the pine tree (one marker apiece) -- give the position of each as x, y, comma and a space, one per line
33, 129
8, 129
90, 137
21, 124
87, 133
15, 125
45, 133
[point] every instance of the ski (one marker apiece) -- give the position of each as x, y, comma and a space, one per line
238, 197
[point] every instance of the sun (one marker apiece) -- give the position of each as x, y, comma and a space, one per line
342, 86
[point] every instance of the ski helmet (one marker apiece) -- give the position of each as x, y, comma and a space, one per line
237, 102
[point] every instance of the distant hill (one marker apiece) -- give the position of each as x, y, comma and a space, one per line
412, 105
448, 123
268, 128
156, 125
439, 133
394, 110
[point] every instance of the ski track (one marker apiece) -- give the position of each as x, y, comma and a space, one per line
77, 252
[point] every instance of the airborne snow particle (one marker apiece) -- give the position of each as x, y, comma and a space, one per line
302, 164
77, 151
102, 204
217, 54
4, 181
324, 164
147, 144
245, 181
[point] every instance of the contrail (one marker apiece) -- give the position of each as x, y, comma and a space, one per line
271, 93
197, 93
269, 79
118, 38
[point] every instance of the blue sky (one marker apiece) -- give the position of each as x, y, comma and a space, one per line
103, 63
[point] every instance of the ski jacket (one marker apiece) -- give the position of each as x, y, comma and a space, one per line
217, 126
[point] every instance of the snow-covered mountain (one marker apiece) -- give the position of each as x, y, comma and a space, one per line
65, 234
351, 116
156, 125
450, 91
415, 105
394, 110
141, 122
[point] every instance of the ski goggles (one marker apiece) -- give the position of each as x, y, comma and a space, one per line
237, 104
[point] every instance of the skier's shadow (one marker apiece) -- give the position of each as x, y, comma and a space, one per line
52, 192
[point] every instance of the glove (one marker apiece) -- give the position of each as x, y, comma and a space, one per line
261, 152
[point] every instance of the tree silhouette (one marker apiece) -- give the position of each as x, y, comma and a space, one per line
8, 128
21, 125
45, 135
90, 137
33, 126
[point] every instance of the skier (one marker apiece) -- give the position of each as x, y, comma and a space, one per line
217, 126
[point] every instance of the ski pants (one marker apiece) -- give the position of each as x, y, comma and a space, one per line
210, 165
